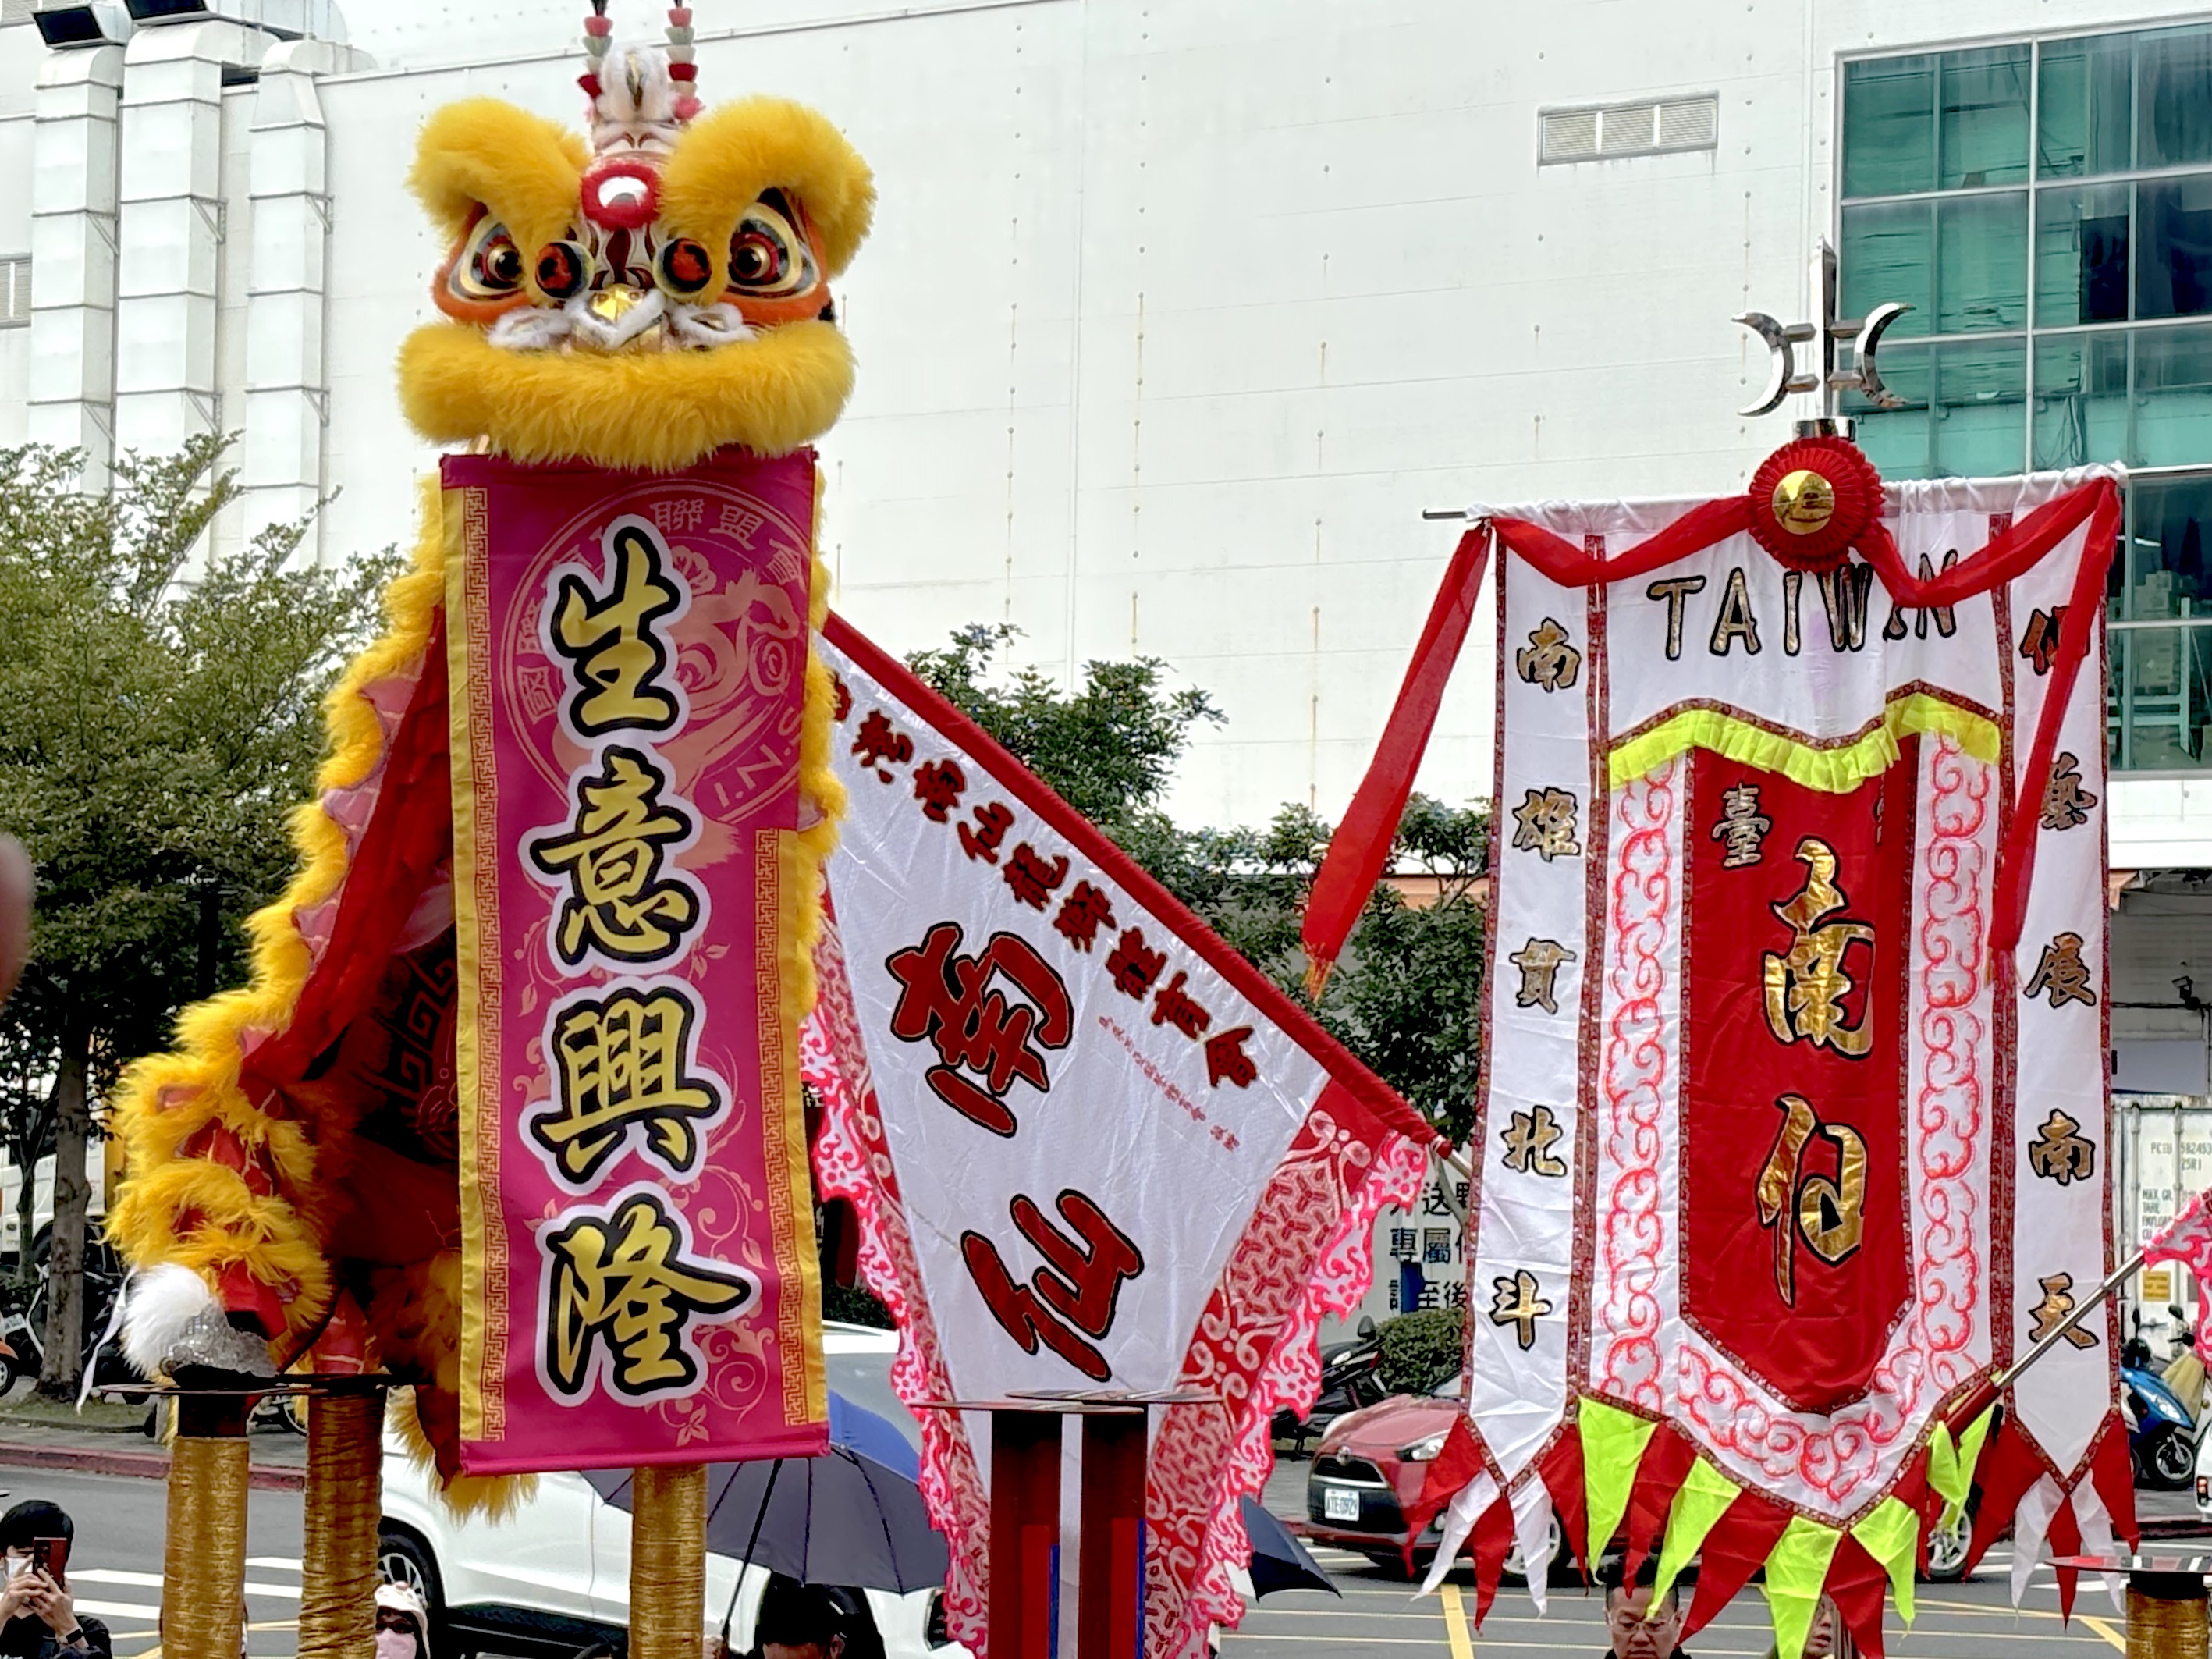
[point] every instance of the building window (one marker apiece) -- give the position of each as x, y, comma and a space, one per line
16, 291
1613, 131
2046, 208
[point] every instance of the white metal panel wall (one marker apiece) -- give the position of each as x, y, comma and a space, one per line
73, 210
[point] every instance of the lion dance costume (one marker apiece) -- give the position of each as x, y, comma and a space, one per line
651, 300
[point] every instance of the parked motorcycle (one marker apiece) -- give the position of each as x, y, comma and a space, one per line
2162, 1431
23, 1327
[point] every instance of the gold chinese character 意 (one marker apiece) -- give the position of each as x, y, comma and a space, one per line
623, 1059
1547, 660
1540, 961
2062, 975
624, 1282
610, 638
2060, 1152
1743, 827
1827, 1214
1806, 986
2056, 1307
1545, 824
2066, 804
620, 899
1514, 1302
1530, 1137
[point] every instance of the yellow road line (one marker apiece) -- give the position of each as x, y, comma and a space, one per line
1454, 1612
2103, 1628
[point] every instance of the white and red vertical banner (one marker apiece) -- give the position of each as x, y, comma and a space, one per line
1792, 1119
1091, 1147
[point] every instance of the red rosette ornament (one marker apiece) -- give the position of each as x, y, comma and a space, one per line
1811, 500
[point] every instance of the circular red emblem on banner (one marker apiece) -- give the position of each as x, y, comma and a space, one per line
1811, 499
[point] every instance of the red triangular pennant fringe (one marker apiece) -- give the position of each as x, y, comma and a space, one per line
1736, 1548
1659, 1475
1561, 1469
2007, 1468
2065, 1539
1493, 1542
1457, 1464
1857, 1584
2113, 1472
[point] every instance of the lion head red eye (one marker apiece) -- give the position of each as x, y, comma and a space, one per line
562, 271
685, 268
498, 262
757, 259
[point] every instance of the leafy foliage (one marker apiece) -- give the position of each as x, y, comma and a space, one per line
1406, 993
1420, 1350
159, 720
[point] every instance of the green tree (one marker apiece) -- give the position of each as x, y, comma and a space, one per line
159, 720
1406, 993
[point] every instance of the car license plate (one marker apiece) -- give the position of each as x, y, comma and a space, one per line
1338, 1503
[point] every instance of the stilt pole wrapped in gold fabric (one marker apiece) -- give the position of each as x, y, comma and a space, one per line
337, 1582
2166, 1616
668, 1561
203, 1571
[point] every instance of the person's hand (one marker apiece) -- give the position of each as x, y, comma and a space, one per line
54, 1604
15, 1598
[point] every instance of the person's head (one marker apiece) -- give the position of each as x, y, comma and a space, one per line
1828, 1639
799, 1621
33, 1518
403, 1623
1637, 1631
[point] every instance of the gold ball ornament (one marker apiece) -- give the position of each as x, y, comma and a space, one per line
1804, 503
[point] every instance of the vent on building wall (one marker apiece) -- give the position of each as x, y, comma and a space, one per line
15, 11
16, 291
1615, 129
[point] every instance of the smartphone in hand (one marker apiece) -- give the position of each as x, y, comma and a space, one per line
50, 1556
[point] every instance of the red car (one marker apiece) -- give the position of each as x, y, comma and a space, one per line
1369, 1464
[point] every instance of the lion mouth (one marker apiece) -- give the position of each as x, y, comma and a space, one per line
620, 319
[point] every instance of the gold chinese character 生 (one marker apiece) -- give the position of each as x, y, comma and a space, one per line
1530, 1137
1806, 986
2061, 1153
619, 1061
1540, 961
1547, 660
1827, 1214
2056, 1306
621, 900
1545, 824
610, 638
2066, 804
2062, 975
1743, 827
623, 1284
1514, 1302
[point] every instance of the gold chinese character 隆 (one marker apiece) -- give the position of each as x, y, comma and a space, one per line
620, 1060
610, 638
621, 900
624, 1283
1807, 984
1827, 1214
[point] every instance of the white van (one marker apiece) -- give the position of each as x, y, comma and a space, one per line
42, 1193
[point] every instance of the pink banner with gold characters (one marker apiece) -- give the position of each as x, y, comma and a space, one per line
639, 1282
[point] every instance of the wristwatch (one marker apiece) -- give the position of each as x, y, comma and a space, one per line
75, 1638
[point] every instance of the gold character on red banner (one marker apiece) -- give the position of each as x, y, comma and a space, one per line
950, 1001
1074, 1295
1807, 984
1827, 1214
624, 1282
1742, 827
610, 640
620, 1060
621, 900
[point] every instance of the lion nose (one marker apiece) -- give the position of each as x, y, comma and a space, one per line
621, 194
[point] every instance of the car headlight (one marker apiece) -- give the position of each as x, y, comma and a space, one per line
1422, 1451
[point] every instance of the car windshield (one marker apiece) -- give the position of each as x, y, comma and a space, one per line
1452, 1388
865, 1380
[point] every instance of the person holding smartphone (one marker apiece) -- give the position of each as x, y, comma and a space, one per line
38, 1616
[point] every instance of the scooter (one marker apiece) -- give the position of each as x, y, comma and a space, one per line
2161, 1432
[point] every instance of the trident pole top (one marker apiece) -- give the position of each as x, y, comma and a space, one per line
1830, 332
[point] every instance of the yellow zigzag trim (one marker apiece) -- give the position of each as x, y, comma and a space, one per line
1834, 771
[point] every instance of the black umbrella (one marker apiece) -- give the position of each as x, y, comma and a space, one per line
841, 1518
1280, 1562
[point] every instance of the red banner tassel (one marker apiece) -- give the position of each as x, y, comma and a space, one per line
2065, 1539
1493, 1542
1736, 1548
2007, 1468
1857, 1584
2111, 1472
1361, 846
1560, 1466
1659, 1475
1456, 1464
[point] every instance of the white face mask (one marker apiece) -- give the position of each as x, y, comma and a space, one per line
394, 1645
17, 1566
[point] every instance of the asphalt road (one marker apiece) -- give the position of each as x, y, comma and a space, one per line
115, 1568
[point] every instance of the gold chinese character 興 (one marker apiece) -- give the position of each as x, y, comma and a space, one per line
2066, 804
1742, 827
621, 900
2060, 1152
2056, 1307
1827, 1214
1545, 824
2062, 975
623, 1285
611, 638
1806, 985
1547, 660
618, 1060
1540, 961
1514, 1302
1530, 1137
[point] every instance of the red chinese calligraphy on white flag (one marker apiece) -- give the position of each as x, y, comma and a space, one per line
1090, 1146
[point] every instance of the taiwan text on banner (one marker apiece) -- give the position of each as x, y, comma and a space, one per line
629, 658
1091, 1147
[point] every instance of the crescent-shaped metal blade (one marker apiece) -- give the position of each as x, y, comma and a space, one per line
1784, 362
1869, 340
